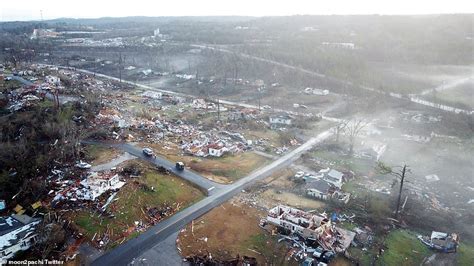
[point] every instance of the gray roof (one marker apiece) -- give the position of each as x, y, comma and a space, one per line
319, 185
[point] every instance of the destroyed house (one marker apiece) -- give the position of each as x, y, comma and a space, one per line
17, 232
443, 242
98, 184
311, 226
217, 150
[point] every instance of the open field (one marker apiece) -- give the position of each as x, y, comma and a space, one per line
403, 248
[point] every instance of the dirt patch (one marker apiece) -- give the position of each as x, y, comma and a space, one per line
98, 154
291, 199
229, 230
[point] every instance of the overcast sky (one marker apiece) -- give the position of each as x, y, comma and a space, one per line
31, 9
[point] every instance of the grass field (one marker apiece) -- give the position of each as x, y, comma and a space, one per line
465, 254
132, 201
403, 248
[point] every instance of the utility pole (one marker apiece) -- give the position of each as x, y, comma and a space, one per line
402, 179
120, 66
384, 169
218, 110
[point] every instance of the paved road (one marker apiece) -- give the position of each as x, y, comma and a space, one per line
140, 246
207, 186
316, 74
113, 163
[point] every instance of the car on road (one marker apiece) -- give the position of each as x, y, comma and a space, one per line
180, 166
148, 152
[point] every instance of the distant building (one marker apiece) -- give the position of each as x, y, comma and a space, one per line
156, 32
17, 232
153, 95
344, 45
280, 120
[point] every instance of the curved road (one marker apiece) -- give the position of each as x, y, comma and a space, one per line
131, 250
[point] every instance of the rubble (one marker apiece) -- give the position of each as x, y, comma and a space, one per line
439, 241
311, 226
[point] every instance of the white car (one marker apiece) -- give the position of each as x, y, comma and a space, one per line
83, 165
148, 151
299, 174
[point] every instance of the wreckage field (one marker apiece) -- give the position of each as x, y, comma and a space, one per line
146, 199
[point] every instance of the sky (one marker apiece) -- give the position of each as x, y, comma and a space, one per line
32, 9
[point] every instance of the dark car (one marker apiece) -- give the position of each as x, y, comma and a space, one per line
180, 166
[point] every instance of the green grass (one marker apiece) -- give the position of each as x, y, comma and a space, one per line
46, 104
132, 201
465, 254
403, 248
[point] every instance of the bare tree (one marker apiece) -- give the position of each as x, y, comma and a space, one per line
399, 172
353, 129
339, 128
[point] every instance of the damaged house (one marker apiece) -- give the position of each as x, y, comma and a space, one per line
311, 226
440, 241
17, 232
323, 190
282, 119
98, 184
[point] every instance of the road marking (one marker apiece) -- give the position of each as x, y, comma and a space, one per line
209, 189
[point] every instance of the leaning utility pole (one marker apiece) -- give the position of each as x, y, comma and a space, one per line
218, 110
402, 179
399, 174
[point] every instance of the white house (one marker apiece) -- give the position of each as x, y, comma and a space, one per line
17, 232
97, 184
52, 79
217, 150
153, 95
315, 91
281, 119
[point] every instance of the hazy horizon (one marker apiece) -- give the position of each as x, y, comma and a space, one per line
48, 9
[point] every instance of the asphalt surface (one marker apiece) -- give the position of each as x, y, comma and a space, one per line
140, 247
207, 186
